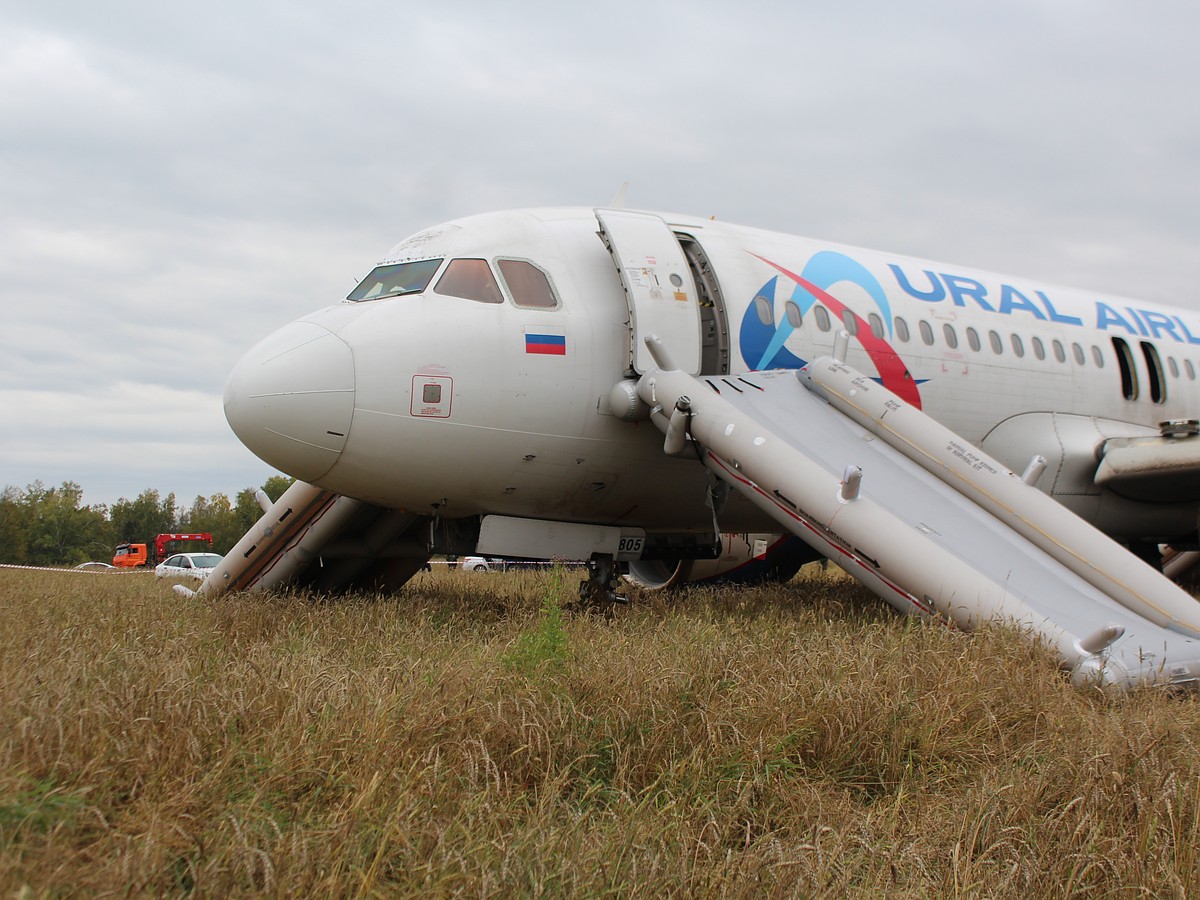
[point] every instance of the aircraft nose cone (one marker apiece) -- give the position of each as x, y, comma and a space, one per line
290, 399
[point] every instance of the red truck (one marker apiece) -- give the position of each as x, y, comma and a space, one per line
130, 556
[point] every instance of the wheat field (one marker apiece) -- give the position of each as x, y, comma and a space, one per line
467, 737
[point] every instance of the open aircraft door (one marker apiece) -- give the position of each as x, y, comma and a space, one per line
658, 287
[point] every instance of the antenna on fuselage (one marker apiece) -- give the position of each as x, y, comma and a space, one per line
620, 197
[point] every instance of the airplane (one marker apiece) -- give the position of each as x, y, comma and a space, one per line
627, 387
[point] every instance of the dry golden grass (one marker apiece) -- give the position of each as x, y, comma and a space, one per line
461, 738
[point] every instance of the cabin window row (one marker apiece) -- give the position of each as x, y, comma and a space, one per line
1126, 358
995, 342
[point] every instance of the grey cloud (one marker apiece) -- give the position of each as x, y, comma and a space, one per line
178, 179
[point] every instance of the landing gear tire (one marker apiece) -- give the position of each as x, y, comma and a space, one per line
599, 592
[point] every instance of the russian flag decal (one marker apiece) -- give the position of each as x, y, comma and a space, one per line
546, 344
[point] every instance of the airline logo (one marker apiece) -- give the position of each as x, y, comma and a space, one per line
543, 343
763, 332
762, 343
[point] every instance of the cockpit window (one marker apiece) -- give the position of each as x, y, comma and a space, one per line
396, 279
527, 283
470, 279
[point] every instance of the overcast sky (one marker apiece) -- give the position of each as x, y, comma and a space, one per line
178, 179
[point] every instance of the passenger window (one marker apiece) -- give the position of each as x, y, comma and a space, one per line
1190, 369
876, 324
762, 306
1018, 346
821, 314
850, 322
1039, 349
527, 283
951, 336
1173, 366
997, 344
792, 311
902, 329
1080, 359
1059, 353
470, 279
973, 339
1097, 357
926, 332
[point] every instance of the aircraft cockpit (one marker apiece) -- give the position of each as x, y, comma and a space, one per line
395, 280
523, 282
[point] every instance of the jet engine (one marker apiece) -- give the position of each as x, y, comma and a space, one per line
744, 559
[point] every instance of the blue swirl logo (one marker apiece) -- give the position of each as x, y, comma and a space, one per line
763, 343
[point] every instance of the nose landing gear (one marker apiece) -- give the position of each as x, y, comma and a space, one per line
599, 592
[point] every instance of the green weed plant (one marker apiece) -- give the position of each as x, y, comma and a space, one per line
543, 651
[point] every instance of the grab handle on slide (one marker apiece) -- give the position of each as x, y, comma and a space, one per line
1100, 639
677, 436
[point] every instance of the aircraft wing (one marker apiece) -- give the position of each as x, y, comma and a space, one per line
1160, 469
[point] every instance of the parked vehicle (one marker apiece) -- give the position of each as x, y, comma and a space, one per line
496, 564
481, 564
188, 565
131, 556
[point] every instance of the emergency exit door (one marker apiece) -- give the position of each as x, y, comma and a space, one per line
658, 287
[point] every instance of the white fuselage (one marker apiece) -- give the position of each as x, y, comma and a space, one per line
449, 406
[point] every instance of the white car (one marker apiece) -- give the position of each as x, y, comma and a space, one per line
188, 565
480, 564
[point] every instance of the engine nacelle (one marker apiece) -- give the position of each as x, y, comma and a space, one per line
744, 559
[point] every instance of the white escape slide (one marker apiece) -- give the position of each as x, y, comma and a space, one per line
930, 523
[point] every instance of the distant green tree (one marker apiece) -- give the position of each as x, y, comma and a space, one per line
14, 526
51, 526
246, 512
62, 531
214, 515
140, 520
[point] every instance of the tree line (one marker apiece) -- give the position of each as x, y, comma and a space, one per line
51, 526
